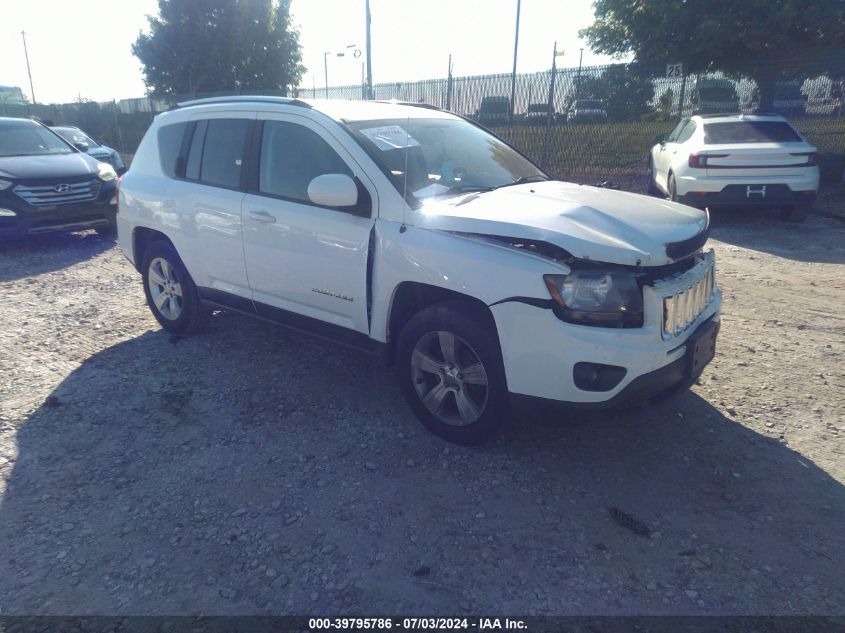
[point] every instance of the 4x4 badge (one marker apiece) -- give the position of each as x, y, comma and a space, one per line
750, 191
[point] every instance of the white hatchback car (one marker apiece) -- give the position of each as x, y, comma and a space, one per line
416, 234
736, 160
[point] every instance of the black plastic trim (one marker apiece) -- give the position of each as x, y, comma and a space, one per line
292, 320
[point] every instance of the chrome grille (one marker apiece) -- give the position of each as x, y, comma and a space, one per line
682, 308
59, 193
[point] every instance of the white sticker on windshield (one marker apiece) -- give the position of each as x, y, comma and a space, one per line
390, 137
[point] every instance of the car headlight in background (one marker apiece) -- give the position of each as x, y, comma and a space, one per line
106, 172
5, 184
605, 299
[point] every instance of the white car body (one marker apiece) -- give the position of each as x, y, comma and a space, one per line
734, 173
247, 251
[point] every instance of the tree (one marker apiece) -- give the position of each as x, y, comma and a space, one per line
761, 39
625, 90
220, 45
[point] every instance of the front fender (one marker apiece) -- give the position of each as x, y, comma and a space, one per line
479, 269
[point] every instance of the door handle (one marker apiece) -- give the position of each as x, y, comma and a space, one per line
262, 216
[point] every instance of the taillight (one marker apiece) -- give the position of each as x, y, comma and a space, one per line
700, 160
812, 158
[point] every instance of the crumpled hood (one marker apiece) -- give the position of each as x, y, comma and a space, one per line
47, 166
592, 223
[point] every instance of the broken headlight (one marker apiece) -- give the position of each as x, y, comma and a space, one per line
604, 299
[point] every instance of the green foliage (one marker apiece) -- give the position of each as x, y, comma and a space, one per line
626, 91
762, 39
220, 45
666, 105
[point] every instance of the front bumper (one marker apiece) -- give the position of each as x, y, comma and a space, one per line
34, 220
540, 352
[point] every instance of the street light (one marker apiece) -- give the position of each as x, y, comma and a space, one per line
356, 54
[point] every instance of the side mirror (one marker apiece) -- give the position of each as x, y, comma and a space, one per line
82, 147
333, 190
660, 139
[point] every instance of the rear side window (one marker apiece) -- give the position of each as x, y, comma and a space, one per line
750, 132
687, 132
223, 152
170, 147
291, 157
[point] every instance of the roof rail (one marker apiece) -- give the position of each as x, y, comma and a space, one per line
242, 99
415, 104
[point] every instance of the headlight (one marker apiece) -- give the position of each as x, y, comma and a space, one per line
5, 184
607, 299
106, 172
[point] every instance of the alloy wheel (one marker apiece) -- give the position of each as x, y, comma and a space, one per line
165, 289
449, 378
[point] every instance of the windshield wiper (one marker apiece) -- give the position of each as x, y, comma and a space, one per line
522, 180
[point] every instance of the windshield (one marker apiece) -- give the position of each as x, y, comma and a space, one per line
72, 135
444, 157
29, 139
750, 132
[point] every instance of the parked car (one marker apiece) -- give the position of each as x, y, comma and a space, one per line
493, 111
413, 233
736, 160
538, 114
715, 95
85, 143
586, 110
788, 98
46, 184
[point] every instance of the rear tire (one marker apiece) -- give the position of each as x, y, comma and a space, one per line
171, 293
451, 373
670, 185
795, 214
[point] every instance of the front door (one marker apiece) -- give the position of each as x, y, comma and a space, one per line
302, 258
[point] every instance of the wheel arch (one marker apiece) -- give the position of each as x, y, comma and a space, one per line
409, 297
142, 237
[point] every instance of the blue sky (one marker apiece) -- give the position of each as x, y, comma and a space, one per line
82, 47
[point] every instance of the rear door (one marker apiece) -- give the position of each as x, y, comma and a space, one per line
305, 259
208, 194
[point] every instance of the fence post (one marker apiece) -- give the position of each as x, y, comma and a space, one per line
544, 161
683, 88
449, 85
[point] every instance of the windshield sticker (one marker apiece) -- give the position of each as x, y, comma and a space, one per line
390, 137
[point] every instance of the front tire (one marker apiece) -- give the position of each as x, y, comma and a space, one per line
451, 373
795, 214
171, 293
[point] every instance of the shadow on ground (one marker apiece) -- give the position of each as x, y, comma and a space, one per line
40, 254
199, 477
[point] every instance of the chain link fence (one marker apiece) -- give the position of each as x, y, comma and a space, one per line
585, 124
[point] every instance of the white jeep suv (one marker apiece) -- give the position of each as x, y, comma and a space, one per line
406, 230
736, 160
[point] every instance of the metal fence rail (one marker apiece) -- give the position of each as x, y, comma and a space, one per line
587, 124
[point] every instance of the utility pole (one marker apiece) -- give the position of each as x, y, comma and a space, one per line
369, 55
28, 71
578, 79
449, 85
515, 49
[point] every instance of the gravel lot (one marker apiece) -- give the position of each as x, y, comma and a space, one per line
251, 470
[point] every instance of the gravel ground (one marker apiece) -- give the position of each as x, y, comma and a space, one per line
250, 470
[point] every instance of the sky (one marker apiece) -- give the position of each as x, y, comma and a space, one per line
81, 48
